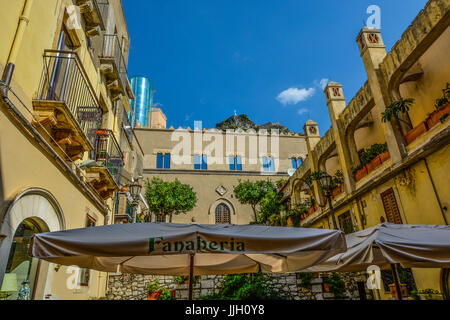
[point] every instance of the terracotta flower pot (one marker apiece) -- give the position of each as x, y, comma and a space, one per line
416, 132
361, 174
434, 118
326, 287
337, 191
290, 223
385, 156
372, 165
154, 295
445, 109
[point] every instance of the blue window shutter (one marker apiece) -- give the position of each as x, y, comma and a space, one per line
204, 162
294, 163
196, 162
265, 164
167, 161
271, 164
300, 162
238, 163
232, 163
159, 161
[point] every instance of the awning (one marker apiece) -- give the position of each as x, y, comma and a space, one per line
166, 249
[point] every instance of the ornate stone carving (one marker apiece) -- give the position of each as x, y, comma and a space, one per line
221, 190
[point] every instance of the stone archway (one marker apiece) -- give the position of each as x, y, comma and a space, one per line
40, 207
213, 207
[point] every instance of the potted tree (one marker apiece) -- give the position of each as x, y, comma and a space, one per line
403, 106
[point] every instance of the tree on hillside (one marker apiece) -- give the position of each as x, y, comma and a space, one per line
166, 198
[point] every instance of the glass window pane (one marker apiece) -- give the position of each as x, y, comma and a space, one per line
271, 164
204, 162
232, 163
167, 161
159, 161
294, 163
197, 162
265, 164
21, 269
239, 163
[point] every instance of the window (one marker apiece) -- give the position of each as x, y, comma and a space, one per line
223, 215
200, 163
345, 221
235, 163
21, 270
268, 164
296, 162
391, 207
163, 161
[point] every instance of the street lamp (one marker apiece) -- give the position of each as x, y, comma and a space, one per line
135, 191
326, 183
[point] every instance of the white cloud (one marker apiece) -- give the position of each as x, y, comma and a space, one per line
302, 111
158, 105
295, 95
323, 83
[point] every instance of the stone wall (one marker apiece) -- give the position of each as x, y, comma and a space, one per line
133, 287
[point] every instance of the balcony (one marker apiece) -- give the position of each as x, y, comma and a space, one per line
113, 66
95, 13
105, 176
123, 212
65, 105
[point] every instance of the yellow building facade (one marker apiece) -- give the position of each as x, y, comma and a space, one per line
409, 181
64, 100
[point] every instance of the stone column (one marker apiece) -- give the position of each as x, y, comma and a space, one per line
336, 104
373, 52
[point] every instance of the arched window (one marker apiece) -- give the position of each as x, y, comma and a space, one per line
21, 271
223, 215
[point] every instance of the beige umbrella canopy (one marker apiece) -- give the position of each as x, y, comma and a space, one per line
413, 246
167, 249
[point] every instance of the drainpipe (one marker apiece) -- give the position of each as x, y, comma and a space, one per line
24, 19
435, 191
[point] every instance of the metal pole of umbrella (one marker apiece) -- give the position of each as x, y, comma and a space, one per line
396, 281
191, 276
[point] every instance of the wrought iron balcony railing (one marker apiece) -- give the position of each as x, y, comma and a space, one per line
113, 54
107, 152
65, 90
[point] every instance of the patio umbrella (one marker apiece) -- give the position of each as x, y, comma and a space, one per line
385, 245
177, 249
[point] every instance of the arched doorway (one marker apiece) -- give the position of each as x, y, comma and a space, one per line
223, 214
32, 211
21, 269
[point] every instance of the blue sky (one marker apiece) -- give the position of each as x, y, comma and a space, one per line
263, 58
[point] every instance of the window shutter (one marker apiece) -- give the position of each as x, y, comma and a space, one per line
391, 207
121, 204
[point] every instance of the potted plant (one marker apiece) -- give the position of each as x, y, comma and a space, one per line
403, 106
153, 290
416, 132
326, 284
442, 107
360, 172
430, 294
386, 155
